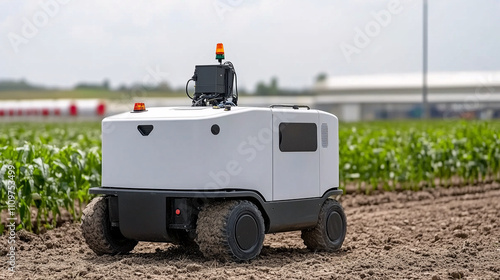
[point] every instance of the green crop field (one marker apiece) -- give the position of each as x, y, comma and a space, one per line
54, 165
410, 155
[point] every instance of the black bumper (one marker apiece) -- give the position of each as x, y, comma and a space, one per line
146, 215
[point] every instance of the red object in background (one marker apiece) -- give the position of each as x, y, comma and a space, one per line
11, 112
19, 112
57, 111
45, 111
101, 109
1, 113
73, 110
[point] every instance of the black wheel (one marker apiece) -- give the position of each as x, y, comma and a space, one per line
329, 233
101, 237
230, 230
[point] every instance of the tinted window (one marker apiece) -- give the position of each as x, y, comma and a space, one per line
298, 137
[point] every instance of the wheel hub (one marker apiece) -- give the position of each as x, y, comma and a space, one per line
334, 226
246, 232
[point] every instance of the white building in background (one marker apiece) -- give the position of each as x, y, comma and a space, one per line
382, 96
451, 94
351, 98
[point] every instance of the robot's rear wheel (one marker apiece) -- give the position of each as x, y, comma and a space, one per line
330, 231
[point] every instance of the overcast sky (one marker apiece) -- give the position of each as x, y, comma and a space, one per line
62, 42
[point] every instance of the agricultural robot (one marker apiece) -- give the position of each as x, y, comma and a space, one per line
215, 176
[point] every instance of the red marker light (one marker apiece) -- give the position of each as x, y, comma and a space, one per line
177, 212
139, 107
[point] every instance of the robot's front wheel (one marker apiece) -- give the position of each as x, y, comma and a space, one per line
230, 230
101, 237
329, 233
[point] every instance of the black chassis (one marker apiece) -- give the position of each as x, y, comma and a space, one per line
149, 215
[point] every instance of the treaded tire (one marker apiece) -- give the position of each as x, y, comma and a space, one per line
98, 233
329, 233
230, 230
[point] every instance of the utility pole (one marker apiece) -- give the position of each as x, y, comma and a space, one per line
425, 101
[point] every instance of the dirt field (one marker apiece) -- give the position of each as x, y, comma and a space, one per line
434, 234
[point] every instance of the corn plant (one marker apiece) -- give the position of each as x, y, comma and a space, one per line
55, 165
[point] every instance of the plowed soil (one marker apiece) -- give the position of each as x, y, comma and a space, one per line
432, 234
